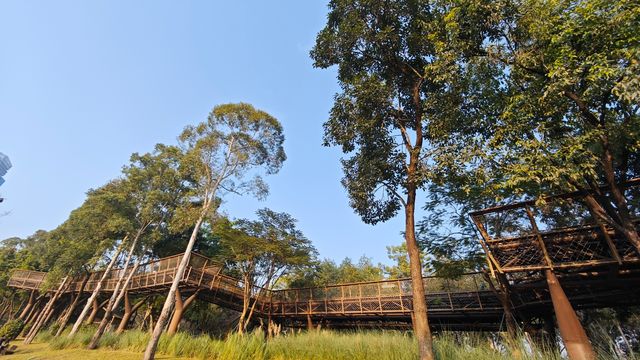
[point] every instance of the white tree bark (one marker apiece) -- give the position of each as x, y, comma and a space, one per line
96, 292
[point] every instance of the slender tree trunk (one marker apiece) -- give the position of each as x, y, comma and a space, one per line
34, 309
44, 316
150, 351
123, 288
145, 317
246, 299
255, 302
33, 315
95, 307
13, 315
126, 315
151, 326
630, 232
178, 312
5, 307
8, 310
72, 307
93, 298
115, 297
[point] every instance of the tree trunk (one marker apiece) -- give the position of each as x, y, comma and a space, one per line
33, 315
115, 297
5, 307
178, 312
72, 307
123, 288
625, 226
420, 320
46, 313
95, 307
34, 309
93, 298
150, 351
246, 298
13, 315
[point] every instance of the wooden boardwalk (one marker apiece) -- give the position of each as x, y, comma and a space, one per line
595, 265
464, 303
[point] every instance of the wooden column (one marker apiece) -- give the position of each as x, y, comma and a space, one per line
29, 305
179, 309
572, 333
309, 322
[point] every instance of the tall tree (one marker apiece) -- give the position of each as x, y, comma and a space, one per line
104, 217
546, 100
235, 142
263, 251
154, 188
384, 56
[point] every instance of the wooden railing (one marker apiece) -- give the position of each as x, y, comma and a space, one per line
560, 233
466, 294
26, 279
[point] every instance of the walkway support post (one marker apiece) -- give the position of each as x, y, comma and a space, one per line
572, 333
27, 308
179, 309
309, 322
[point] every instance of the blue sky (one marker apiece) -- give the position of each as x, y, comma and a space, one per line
85, 84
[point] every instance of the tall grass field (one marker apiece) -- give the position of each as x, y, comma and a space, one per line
358, 345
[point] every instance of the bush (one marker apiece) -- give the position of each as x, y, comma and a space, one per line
11, 329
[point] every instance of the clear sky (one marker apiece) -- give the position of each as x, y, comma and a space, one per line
83, 84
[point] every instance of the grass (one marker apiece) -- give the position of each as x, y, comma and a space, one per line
320, 345
42, 351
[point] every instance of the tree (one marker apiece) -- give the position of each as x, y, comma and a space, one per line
400, 257
263, 251
105, 216
153, 188
77, 246
235, 142
546, 101
385, 57
327, 272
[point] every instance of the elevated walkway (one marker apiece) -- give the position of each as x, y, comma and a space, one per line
465, 303
527, 245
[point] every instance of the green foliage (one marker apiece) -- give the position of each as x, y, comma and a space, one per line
11, 329
91, 230
382, 49
398, 254
543, 100
155, 188
327, 272
265, 249
236, 141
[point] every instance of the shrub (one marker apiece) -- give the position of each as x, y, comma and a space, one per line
11, 329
